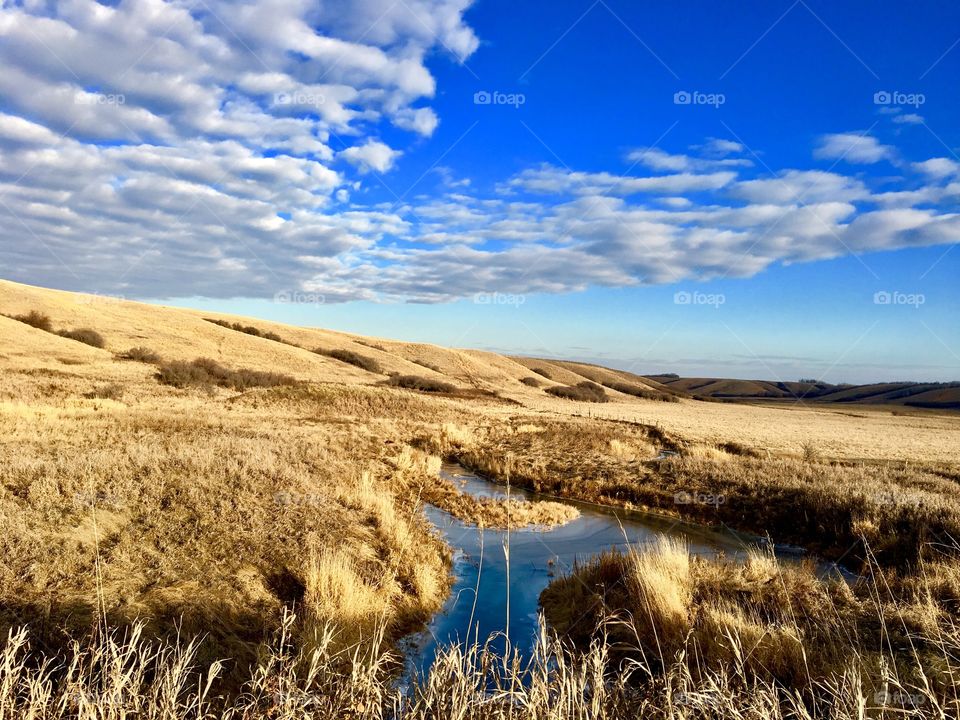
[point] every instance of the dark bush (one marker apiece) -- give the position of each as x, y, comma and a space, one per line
142, 354
585, 392
204, 372
352, 358
415, 382
531, 381
35, 319
542, 372
84, 335
735, 448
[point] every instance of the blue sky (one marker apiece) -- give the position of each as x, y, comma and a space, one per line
759, 189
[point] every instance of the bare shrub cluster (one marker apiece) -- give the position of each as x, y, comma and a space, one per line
35, 319
204, 372
418, 382
585, 391
142, 354
350, 357
43, 322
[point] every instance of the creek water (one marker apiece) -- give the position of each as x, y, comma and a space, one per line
477, 606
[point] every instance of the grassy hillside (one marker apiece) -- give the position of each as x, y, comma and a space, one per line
942, 396
200, 475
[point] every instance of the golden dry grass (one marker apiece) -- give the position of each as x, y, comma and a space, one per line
219, 510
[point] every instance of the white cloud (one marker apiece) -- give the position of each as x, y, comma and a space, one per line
658, 160
938, 168
151, 149
909, 119
374, 155
853, 148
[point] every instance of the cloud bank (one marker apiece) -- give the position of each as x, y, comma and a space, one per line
165, 149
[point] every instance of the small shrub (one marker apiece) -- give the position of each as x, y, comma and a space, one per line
428, 366
204, 372
84, 335
352, 358
531, 381
112, 391
542, 372
810, 453
415, 382
585, 392
35, 319
735, 448
142, 354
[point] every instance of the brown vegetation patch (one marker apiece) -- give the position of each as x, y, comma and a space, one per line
417, 382
585, 391
204, 372
352, 358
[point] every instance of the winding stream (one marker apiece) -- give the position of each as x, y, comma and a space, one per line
477, 605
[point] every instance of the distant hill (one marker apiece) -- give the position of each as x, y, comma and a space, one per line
319, 355
943, 396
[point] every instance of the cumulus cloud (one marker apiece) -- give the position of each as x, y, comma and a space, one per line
374, 155
156, 149
853, 148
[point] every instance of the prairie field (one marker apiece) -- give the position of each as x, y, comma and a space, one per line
225, 519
